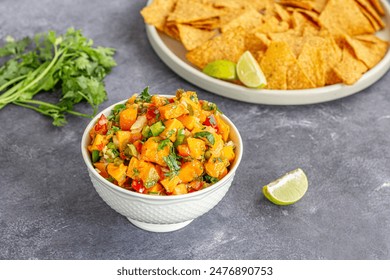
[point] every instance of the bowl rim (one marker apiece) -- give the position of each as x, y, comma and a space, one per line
91, 169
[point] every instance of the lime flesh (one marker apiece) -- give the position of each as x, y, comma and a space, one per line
249, 71
288, 189
221, 69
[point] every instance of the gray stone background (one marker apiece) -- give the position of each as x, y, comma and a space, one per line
49, 209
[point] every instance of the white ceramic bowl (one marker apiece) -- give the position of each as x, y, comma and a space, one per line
160, 213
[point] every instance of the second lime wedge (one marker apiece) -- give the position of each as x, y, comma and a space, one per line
221, 69
249, 71
288, 189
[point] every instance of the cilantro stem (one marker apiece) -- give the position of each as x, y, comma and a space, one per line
49, 105
11, 82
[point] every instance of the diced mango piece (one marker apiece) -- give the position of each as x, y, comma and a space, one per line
216, 148
156, 189
223, 127
197, 147
133, 170
194, 109
228, 153
128, 117
190, 171
150, 151
98, 142
183, 150
180, 189
123, 139
101, 166
170, 183
171, 128
148, 174
172, 110
203, 115
117, 172
215, 167
132, 99
188, 121
159, 100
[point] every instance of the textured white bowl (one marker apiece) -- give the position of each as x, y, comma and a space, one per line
160, 213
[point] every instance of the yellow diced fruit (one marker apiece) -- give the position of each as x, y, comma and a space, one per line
228, 153
203, 115
98, 142
191, 170
169, 183
159, 100
171, 128
215, 167
223, 127
133, 169
132, 99
123, 139
216, 148
197, 147
150, 152
188, 121
148, 174
194, 108
128, 117
180, 189
156, 189
172, 110
117, 172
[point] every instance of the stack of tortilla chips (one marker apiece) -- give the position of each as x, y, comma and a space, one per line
299, 44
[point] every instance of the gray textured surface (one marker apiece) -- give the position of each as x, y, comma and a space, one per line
49, 209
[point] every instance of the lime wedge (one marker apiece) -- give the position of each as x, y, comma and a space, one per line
288, 189
249, 71
221, 69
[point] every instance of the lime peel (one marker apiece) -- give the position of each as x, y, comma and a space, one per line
249, 71
287, 189
221, 69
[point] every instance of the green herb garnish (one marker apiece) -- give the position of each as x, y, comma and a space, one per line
205, 134
49, 61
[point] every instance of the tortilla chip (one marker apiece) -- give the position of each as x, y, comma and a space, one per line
192, 37
297, 78
350, 69
294, 40
272, 25
249, 19
259, 5
210, 24
319, 5
156, 13
313, 63
255, 42
307, 5
230, 46
378, 7
370, 53
275, 63
345, 16
370, 12
332, 56
232, 4
282, 13
187, 11
301, 22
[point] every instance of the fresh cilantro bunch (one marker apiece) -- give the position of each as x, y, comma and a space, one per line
48, 62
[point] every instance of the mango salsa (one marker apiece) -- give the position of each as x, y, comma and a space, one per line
159, 145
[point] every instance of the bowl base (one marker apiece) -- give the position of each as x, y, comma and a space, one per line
159, 227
